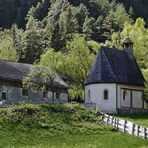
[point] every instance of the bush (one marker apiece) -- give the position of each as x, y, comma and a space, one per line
48, 116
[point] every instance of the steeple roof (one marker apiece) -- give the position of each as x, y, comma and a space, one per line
127, 41
115, 66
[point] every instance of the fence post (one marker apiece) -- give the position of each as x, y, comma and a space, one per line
102, 117
117, 123
133, 129
145, 135
125, 126
138, 130
112, 120
108, 119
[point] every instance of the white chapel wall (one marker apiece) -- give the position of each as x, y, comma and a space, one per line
97, 96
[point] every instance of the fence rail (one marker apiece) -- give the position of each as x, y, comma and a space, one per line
125, 126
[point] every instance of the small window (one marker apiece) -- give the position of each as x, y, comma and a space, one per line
25, 92
57, 95
105, 94
88, 94
45, 94
4, 96
124, 94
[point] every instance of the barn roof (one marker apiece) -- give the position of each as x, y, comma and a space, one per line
115, 66
16, 71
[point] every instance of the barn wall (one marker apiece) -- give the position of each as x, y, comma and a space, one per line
97, 96
14, 96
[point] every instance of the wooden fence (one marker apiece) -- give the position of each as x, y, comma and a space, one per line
125, 126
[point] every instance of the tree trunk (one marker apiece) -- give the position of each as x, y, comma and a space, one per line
53, 96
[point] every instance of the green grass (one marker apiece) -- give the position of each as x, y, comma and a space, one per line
138, 119
59, 126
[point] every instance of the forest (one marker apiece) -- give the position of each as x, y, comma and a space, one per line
65, 35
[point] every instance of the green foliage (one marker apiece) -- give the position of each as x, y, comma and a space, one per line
39, 78
33, 42
88, 26
79, 59
52, 59
49, 115
7, 51
115, 19
145, 72
9, 44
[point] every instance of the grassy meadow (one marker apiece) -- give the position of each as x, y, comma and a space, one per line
59, 126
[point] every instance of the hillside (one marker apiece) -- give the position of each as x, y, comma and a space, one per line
59, 126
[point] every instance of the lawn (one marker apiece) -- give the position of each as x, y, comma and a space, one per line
138, 119
60, 126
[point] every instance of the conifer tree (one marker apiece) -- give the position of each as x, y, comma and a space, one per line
33, 40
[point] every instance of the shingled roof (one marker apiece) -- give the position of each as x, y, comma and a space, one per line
16, 71
115, 66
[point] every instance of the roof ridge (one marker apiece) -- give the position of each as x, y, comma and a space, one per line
3, 60
112, 48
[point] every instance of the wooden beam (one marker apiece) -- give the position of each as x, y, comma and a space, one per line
131, 100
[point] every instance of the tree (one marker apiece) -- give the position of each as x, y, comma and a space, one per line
52, 33
52, 59
75, 62
114, 20
7, 50
10, 43
34, 42
88, 27
81, 13
79, 60
17, 35
40, 78
145, 72
68, 24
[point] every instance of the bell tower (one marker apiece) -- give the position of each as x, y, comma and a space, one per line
128, 45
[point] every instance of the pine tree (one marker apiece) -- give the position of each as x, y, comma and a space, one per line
88, 26
33, 40
81, 13
114, 20
52, 33
68, 23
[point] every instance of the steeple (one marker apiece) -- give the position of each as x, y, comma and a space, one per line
128, 45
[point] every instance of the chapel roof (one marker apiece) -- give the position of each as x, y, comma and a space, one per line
115, 66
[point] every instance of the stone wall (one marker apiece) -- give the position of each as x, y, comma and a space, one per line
14, 96
131, 111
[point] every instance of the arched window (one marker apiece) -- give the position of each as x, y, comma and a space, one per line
124, 94
105, 94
